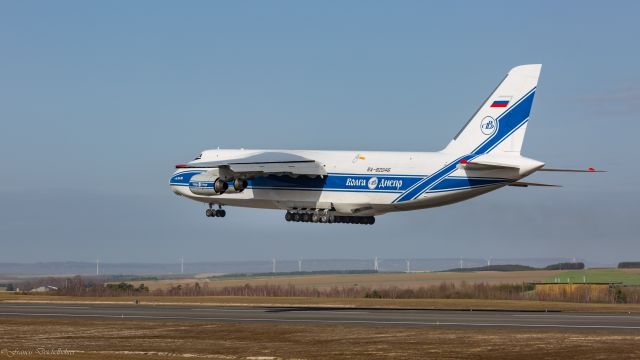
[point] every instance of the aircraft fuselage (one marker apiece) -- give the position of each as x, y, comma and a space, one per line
358, 182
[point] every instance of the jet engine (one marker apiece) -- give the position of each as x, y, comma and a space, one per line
208, 183
211, 183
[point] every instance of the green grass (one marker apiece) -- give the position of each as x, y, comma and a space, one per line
597, 275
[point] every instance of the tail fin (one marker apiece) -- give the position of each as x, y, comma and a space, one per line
500, 123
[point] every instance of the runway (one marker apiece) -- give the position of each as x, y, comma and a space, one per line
391, 317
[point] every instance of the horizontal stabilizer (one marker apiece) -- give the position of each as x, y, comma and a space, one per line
589, 170
485, 165
527, 184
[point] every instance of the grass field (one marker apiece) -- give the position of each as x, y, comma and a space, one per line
625, 276
126, 339
371, 280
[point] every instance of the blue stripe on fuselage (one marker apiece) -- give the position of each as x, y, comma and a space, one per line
387, 183
342, 182
183, 178
450, 183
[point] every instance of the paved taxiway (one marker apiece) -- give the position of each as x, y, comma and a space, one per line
467, 319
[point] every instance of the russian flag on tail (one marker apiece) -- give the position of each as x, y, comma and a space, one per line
500, 103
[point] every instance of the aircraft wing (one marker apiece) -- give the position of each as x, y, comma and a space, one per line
263, 164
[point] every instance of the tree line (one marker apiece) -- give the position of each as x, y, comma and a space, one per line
77, 286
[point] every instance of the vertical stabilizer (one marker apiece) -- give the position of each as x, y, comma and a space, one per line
500, 123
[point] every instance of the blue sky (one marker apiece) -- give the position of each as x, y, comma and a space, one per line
98, 101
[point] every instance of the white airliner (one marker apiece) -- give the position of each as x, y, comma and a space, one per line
354, 186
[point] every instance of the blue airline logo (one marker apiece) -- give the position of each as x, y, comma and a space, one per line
488, 125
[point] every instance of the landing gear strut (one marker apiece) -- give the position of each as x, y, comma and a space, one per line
220, 212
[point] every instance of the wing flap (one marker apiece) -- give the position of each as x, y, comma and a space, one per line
292, 168
262, 164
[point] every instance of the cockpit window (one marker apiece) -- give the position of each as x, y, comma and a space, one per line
198, 157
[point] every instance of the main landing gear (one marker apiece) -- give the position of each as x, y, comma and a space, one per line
220, 212
324, 217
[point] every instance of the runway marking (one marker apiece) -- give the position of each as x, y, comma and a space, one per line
582, 316
377, 322
324, 312
229, 310
45, 306
292, 311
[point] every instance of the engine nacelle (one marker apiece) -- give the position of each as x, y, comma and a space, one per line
209, 183
240, 184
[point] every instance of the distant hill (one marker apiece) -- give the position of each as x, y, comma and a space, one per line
566, 266
508, 267
629, 265
294, 273
516, 267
